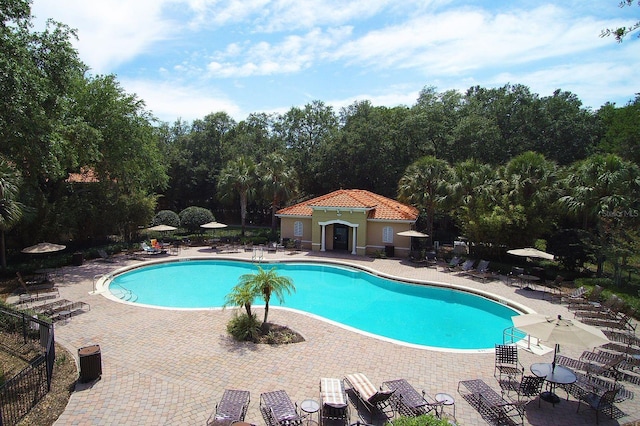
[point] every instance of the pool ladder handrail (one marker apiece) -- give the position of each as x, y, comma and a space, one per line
258, 253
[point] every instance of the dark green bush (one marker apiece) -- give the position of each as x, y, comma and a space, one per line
166, 217
192, 217
244, 328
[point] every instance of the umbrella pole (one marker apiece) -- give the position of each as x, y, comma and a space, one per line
555, 352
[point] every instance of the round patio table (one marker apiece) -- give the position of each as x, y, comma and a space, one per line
560, 376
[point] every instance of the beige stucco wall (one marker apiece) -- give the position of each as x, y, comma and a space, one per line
402, 245
286, 230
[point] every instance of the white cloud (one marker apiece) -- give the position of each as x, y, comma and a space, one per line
293, 54
109, 32
169, 100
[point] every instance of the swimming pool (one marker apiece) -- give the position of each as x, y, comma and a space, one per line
410, 313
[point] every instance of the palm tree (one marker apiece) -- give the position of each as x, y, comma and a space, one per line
267, 283
241, 295
239, 176
279, 182
10, 209
424, 185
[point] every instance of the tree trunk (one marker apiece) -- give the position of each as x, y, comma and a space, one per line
3, 253
243, 211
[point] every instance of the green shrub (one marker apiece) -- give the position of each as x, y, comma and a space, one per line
424, 420
192, 217
244, 327
166, 217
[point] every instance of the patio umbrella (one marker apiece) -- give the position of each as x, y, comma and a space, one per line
214, 225
531, 252
162, 228
559, 331
41, 248
412, 233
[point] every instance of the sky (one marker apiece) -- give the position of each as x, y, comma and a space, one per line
190, 58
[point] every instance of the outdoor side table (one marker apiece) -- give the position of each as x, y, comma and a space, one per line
446, 400
310, 406
560, 376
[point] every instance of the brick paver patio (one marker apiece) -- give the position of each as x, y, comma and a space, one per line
171, 366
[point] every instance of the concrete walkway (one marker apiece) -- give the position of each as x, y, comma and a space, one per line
165, 367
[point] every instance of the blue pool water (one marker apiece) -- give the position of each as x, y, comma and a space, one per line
417, 314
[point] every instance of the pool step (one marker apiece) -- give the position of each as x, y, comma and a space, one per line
124, 294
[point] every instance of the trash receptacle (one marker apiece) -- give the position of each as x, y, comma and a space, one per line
390, 251
90, 363
77, 258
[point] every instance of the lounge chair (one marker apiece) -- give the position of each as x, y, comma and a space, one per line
36, 292
374, 400
481, 271
334, 405
623, 323
34, 285
104, 256
467, 265
576, 294
231, 408
278, 410
148, 249
491, 406
452, 264
409, 401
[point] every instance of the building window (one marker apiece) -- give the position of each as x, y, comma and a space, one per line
297, 228
387, 234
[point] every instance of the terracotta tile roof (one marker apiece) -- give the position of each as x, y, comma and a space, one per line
380, 207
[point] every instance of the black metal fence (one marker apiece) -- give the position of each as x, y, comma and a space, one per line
23, 391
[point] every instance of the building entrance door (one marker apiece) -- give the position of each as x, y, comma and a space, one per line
340, 237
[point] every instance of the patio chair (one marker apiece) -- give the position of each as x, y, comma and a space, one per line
231, 408
587, 383
490, 404
507, 364
600, 402
277, 409
409, 402
529, 387
373, 400
333, 401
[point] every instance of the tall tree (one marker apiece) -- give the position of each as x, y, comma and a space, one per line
278, 182
603, 191
238, 177
424, 185
10, 209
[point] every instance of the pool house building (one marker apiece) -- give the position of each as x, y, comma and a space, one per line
350, 220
